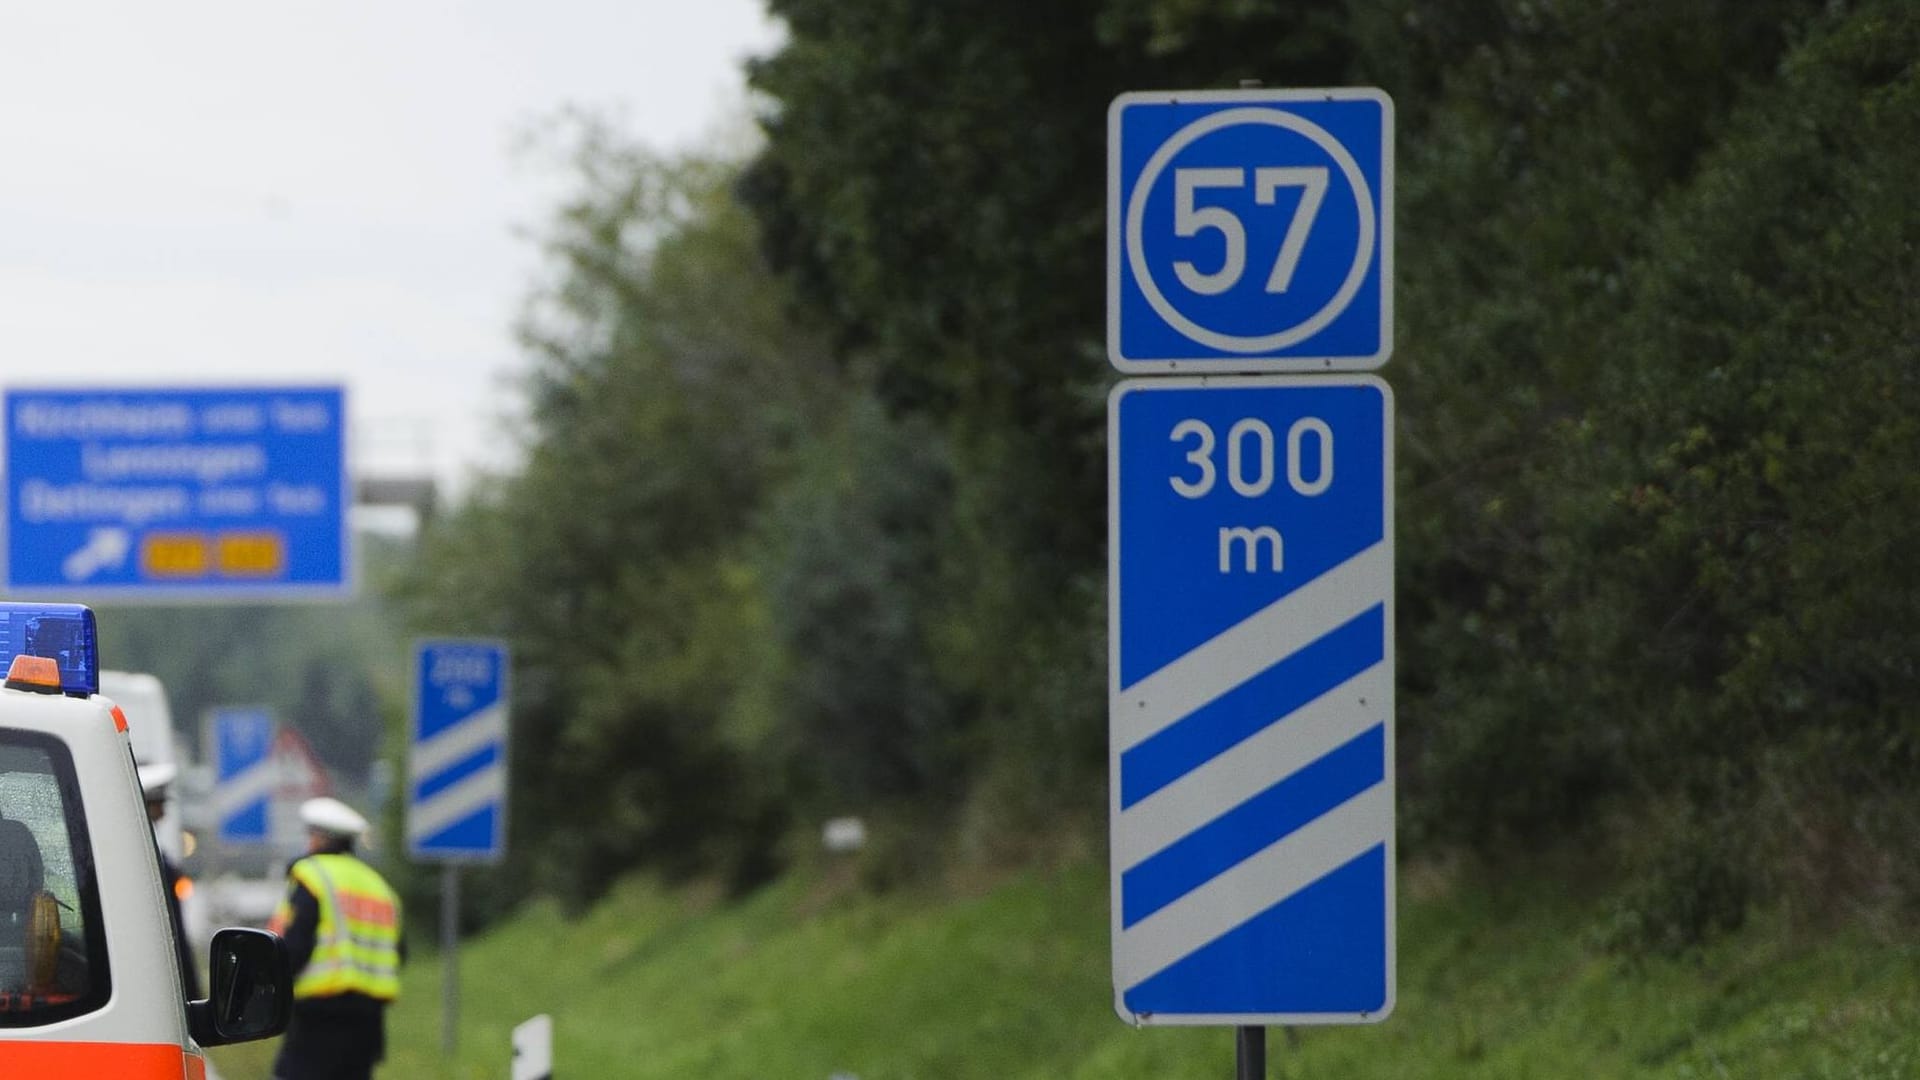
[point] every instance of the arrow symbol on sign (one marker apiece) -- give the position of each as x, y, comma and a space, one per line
105, 547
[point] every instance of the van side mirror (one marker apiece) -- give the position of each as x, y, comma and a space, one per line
251, 987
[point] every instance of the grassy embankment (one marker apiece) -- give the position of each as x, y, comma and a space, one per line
798, 983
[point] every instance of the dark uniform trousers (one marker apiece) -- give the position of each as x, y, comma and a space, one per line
333, 1038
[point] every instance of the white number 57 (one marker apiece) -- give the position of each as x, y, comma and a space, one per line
1189, 220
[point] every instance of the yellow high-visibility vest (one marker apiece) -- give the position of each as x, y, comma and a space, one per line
356, 946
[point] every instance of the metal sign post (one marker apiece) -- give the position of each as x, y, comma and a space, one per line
457, 779
449, 956
1250, 1053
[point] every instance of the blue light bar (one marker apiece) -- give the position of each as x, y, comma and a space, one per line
63, 633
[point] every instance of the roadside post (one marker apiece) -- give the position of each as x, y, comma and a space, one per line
457, 779
1250, 548
533, 1049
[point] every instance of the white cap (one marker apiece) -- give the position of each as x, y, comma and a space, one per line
155, 778
333, 817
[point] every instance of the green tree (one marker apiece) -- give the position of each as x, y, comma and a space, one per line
1653, 274
851, 549
827, 529
668, 394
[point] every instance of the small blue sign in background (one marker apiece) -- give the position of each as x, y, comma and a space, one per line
169, 494
457, 763
244, 776
1250, 231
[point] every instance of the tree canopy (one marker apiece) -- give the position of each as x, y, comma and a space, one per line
812, 518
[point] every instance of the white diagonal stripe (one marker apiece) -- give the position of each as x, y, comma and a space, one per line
1298, 860
451, 744
243, 789
1255, 644
456, 801
1278, 751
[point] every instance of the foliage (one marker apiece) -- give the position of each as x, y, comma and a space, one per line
667, 398
811, 520
1679, 573
799, 981
849, 554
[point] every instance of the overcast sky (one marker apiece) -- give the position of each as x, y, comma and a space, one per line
232, 191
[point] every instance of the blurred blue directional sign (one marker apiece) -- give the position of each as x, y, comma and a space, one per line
1250, 230
173, 494
457, 765
244, 774
1250, 533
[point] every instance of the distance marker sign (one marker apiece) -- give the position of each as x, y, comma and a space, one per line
1250, 231
1250, 533
457, 763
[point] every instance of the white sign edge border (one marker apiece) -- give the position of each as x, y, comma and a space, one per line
1235, 365
1121, 389
461, 856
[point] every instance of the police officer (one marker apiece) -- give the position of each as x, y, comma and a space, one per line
156, 784
341, 922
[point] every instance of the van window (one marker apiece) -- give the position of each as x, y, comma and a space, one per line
53, 959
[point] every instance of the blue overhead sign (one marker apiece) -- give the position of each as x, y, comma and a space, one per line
1250, 230
169, 494
1251, 700
457, 764
244, 774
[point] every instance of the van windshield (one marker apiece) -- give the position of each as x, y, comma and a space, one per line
53, 961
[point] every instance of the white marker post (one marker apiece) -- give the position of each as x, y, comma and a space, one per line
533, 1049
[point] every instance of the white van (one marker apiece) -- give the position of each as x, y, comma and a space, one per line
90, 980
143, 698
150, 722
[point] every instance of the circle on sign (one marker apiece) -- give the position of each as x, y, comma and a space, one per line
1365, 232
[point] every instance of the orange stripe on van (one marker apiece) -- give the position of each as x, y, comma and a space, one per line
119, 719
99, 1061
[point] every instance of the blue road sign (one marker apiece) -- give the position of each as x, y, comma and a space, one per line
1250, 230
173, 494
244, 778
1250, 529
457, 765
